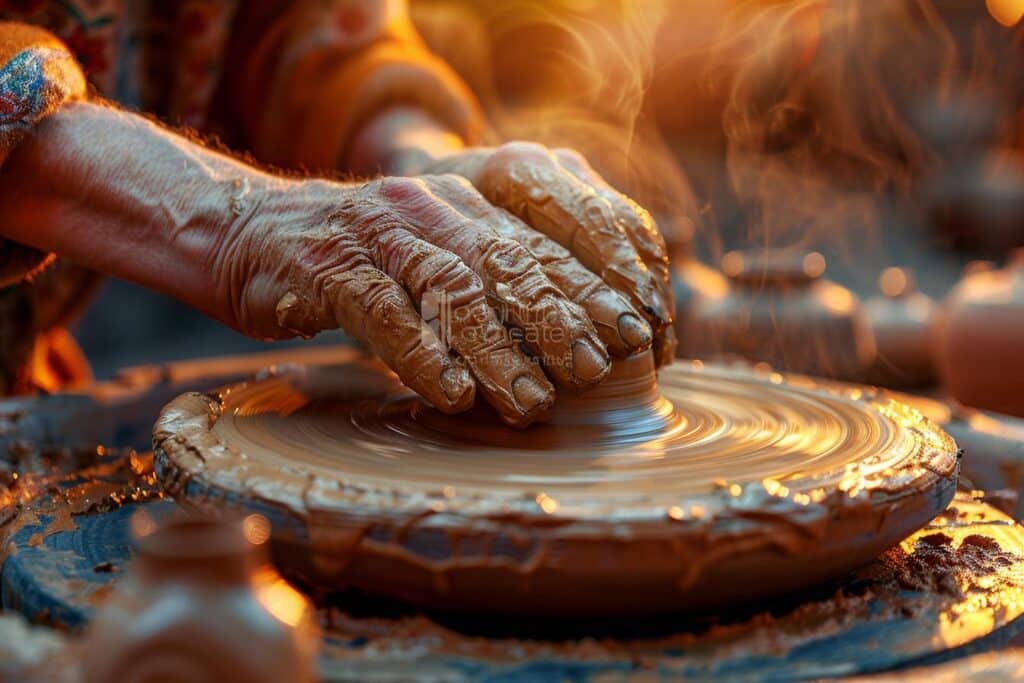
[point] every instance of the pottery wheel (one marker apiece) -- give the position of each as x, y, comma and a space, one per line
707, 488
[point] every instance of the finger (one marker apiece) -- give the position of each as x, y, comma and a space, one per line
665, 346
439, 281
639, 226
374, 309
618, 325
553, 326
527, 180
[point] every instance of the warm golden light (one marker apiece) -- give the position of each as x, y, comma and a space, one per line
256, 529
893, 282
548, 504
1006, 12
280, 599
142, 524
836, 299
814, 265
732, 263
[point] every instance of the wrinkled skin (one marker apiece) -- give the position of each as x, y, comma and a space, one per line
431, 273
460, 289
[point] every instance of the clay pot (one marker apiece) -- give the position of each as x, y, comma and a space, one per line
779, 310
694, 286
201, 603
901, 322
981, 334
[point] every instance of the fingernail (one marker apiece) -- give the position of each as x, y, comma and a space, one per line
589, 364
530, 393
635, 333
458, 387
657, 308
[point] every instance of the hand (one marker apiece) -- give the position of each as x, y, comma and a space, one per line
559, 195
428, 273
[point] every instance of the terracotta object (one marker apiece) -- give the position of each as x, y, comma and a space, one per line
901, 322
981, 334
780, 310
201, 603
704, 488
695, 287
979, 203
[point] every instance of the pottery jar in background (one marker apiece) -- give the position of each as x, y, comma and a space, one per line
901, 321
201, 603
781, 311
981, 339
695, 287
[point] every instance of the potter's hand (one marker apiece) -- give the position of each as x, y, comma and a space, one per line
558, 194
425, 272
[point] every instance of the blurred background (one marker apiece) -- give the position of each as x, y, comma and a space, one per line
803, 159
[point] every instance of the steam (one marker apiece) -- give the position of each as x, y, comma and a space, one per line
819, 116
576, 73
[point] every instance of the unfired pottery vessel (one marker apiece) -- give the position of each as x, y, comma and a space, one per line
901, 321
981, 334
698, 490
202, 604
695, 287
781, 311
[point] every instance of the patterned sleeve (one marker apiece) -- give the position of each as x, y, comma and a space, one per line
38, 74
322, 68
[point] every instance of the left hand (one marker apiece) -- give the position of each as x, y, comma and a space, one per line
558, 194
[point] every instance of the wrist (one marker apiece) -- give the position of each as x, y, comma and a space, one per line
401, 140
258, 271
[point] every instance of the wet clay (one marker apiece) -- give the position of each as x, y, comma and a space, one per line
201, 603
965, 585
711, 487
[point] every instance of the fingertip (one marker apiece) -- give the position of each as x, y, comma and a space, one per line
657, 308
635, 333
590, 364
459, 389
534, 396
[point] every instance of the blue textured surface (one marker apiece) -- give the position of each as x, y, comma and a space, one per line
54, 579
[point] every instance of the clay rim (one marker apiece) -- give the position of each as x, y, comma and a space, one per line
184, 432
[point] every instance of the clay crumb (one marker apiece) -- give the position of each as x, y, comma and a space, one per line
105, 568
936, 539
982, 542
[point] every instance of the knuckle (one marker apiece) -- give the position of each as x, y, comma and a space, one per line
507, 257
382, 302
512, 153
449, 181
400, 190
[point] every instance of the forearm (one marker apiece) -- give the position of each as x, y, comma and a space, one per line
117, 193
308, 86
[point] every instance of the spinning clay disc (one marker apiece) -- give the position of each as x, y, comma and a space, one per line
698, 490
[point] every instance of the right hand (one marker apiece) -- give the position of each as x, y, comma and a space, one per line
428, 274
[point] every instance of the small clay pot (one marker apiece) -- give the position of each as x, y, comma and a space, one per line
694, 286
780, 310
980, 337
202, 604
901, 321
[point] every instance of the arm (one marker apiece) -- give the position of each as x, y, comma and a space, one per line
276, 257
418, 269
121, 195
376, 101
